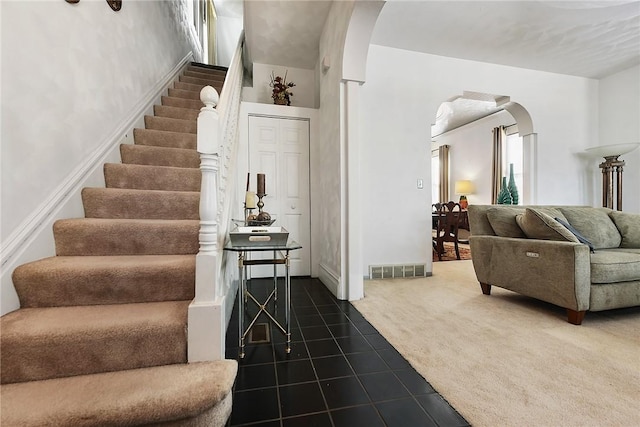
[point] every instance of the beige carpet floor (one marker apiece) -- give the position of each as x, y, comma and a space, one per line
508, 360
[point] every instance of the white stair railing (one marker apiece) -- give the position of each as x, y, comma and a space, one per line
217, 141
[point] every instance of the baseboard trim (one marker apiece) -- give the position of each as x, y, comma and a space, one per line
40, 220
330, 278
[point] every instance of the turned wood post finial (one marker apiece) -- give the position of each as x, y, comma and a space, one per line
209, 97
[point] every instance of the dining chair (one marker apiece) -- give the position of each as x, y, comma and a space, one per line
435, 208
447, 219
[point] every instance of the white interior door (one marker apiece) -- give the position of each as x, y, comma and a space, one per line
279, 148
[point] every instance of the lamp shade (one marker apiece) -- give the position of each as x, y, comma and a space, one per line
464, 187
613, 150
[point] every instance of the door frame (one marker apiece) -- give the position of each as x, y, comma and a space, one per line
284, 112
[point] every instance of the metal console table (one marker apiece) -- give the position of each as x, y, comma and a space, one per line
244, 295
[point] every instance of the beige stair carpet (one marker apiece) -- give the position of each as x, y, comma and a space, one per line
101, 335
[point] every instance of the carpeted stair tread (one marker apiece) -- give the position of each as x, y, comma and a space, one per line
201, 79
160, 138
146, 177
96, 236
205, 73
90, 280
194, 104
215, 70
55, 342
204, 68
171, 125
159, 156
196, 87
121, 203
175, 112
186, 94
132, 397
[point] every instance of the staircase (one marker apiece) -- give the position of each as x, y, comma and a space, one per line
101, 335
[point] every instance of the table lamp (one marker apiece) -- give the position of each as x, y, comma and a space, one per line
463, 188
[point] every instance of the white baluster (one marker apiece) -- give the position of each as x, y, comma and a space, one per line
208, 148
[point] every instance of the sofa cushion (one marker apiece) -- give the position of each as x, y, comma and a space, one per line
615, 265
576, 233
594, 224
628, 225
538, 224
503, 221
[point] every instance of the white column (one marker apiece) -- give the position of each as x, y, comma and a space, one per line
529, 169
352, 271
206, 313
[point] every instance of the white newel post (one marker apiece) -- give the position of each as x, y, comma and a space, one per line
206, 316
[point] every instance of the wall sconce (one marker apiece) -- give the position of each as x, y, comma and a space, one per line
612, 165
463, 188
326, 64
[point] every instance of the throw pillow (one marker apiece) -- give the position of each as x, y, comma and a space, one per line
629, 226
503, 221
595, 224
537, 224
576, 233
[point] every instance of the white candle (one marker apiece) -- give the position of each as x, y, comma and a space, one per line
250, 200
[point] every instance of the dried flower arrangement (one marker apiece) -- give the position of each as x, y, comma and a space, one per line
281, 93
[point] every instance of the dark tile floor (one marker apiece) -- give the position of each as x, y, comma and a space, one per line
340, 372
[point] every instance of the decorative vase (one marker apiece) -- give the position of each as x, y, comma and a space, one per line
504, 197
513, 190
280, 101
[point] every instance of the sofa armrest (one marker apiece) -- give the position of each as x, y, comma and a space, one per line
553, 271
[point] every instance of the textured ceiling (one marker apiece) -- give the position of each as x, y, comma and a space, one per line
581, 38
284, 32
468, 107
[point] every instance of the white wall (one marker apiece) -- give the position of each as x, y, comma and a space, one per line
228, 31
399, 102
470, 155
303, 91
620, 123
71, 75
326, 156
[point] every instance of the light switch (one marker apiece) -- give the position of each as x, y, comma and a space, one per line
420, 184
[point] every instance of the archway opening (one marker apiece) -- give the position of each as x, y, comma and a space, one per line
469, 126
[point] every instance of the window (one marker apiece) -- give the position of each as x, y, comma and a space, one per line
513, 155
435, 177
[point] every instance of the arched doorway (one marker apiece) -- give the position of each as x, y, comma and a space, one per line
465, 123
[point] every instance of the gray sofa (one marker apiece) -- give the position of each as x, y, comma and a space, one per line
577, 257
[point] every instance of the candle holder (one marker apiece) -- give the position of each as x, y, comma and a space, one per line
263, 217
260, 203
248, 212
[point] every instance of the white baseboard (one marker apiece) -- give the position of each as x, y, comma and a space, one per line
330, 278
33, 238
